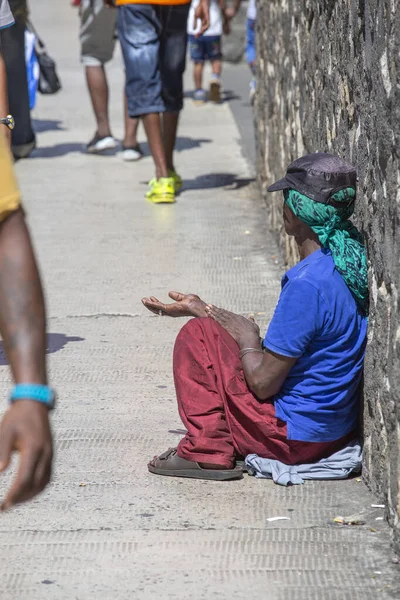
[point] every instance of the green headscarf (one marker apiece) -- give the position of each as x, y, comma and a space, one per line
339, 235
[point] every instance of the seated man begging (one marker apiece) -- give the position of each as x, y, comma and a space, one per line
294, 396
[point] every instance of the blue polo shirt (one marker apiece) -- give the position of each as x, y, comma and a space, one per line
318, 322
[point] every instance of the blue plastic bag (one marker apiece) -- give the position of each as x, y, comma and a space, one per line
32, 67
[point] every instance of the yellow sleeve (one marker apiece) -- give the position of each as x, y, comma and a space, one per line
10, 197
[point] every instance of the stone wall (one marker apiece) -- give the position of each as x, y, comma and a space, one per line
329, 80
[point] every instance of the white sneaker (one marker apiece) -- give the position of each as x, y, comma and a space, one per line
199, 96
131, 154
99, 144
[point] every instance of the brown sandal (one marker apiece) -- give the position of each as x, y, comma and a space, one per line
172, 465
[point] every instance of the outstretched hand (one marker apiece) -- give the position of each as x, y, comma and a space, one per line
184, 305
245, 331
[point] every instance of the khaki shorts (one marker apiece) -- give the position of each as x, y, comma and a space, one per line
97, 32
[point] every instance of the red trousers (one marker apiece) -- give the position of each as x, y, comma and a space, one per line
222, 416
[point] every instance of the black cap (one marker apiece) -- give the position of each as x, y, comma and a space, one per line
318, 176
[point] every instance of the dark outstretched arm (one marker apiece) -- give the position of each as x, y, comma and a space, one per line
22, 312
25, 426
265, 373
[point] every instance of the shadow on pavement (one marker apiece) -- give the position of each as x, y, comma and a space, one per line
226, 96
55, 342
217, 180
58, 150
229, 95
188, 143
58, 341
41, 125
182, 143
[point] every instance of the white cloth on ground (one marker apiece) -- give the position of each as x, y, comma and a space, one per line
338, 466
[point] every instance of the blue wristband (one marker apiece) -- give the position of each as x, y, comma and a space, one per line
34, 391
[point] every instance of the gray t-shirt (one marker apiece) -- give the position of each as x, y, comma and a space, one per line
6, 16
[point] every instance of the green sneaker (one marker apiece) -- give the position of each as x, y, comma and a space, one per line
161, 190
177, 180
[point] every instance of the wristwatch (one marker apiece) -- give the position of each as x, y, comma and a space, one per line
8, 121
33, 391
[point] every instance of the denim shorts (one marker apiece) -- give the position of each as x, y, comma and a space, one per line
153, 42
205, 47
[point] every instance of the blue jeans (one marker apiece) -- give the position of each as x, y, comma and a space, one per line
205, 47
251, 41
153, 41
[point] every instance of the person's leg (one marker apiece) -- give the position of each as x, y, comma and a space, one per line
222, 417
98, 90
173, 43
97, 47
215, 84
198, 69
131, 150
131, 127
139, 30
199, 95
251, 44
152, 127
251, 54
196, 47
215, 56
23, 139
216, 67
200, 404
170, 129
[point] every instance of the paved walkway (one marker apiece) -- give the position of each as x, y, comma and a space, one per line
106, 529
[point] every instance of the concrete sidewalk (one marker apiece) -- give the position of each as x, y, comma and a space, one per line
107, 529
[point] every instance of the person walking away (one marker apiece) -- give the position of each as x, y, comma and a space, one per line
153, 40
97, 37
250, 37
25, 426
206, 47
251, 44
